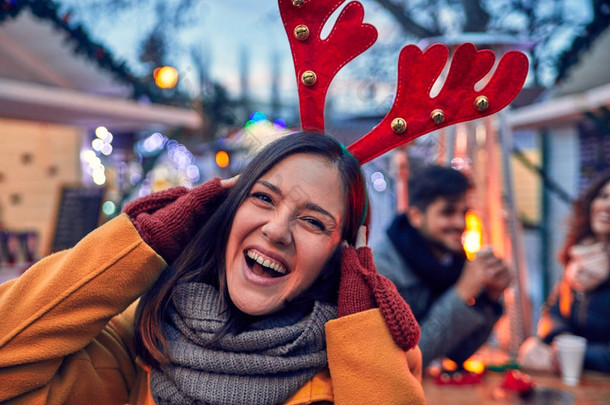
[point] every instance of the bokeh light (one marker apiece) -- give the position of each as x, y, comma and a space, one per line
222, 158
376, 176
88, 155
109, 208
99, 178
380, 185
379, 182
472, 238
101, 132
474, 366
279, 123
258, 116
97, 144
192, 172
106, 149
166, 77
102, 142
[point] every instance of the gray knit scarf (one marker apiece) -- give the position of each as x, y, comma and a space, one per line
264, 365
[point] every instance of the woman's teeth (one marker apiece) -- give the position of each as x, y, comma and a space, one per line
266, 262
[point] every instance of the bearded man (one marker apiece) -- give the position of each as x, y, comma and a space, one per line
455, 300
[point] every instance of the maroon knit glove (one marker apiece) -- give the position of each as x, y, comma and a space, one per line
167, 220
362, 288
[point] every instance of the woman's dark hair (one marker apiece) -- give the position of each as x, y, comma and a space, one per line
580, 221
203, 259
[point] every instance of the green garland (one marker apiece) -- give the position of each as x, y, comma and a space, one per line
49, 10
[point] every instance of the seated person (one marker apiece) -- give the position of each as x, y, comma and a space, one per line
255, 291
580, 303
456, 301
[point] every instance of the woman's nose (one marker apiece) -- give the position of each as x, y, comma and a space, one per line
278, 229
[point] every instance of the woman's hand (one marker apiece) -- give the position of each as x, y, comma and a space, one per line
362, 288
167, 220
354, 294
360, 237
228, 183
589, 266
535, 355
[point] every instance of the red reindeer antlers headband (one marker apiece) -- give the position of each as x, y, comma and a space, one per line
414, 113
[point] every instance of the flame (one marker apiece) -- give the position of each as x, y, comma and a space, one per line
473, 235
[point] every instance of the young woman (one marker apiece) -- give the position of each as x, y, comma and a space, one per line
580, 303
263, 306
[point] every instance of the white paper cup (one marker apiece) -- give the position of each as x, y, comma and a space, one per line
571, 351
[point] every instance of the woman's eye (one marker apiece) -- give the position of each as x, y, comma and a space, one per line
263, 197
315, 223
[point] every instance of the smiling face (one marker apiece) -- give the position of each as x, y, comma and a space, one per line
600, 213
442, 224
283, 233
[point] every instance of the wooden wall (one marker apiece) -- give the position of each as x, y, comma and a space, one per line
36, 159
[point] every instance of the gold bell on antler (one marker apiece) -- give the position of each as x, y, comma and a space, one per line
399, 125
298, 3
301, 32
438, 116
308, 78
481, 103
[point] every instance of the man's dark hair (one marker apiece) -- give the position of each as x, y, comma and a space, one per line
432, 182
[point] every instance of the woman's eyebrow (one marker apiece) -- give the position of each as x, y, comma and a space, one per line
308, 205
270, 186
317, 208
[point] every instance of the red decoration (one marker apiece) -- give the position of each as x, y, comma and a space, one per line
417, 72
515, 380
348, 39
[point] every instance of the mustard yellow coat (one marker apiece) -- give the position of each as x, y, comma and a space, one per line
66, 328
